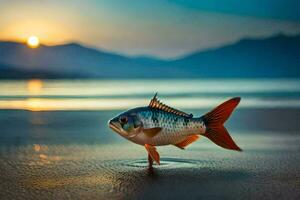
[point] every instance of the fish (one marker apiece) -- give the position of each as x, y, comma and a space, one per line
159, 124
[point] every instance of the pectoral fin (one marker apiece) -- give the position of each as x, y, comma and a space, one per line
153, 153
151, 132
190, 139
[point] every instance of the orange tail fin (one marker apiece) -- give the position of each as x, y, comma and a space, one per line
214, 121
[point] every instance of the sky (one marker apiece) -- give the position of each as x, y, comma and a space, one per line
159, 28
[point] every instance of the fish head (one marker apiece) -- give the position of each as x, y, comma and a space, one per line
126, 124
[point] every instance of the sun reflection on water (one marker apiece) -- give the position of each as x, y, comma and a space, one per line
34, 86
43, 104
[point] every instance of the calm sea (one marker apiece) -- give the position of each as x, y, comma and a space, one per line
43, 95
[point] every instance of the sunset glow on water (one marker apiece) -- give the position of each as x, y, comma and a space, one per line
39, 95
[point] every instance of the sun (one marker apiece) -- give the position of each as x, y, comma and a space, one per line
33, 41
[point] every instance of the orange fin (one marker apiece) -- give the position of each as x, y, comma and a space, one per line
190, 139
221, 113
220, 136
215, 130
153, 153
151, 132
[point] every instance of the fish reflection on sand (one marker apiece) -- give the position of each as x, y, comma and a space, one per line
158, 125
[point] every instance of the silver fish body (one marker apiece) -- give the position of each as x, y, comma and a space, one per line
158, 124
175, 128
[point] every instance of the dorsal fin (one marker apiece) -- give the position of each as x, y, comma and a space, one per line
155, 103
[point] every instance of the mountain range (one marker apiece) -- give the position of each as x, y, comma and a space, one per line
276, 56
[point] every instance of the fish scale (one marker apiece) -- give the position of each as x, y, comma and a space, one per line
175, 128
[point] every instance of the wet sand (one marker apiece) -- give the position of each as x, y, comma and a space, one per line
73, 155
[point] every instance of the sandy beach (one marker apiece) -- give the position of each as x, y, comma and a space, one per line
73, 155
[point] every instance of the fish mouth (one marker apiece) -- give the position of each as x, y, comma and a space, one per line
114, 126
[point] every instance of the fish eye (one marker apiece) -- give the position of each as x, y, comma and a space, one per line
123, 119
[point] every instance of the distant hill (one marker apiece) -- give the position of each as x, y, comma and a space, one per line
278, 56
70, 59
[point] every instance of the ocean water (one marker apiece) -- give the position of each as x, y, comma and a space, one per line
42, 95
55, 143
